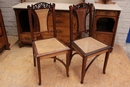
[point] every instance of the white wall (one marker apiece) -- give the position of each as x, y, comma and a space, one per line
9, 16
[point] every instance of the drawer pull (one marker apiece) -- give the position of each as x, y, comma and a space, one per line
115, 13
58, 14
58, 22
58, 31
107, 13
27, 38
98, 11
74, 25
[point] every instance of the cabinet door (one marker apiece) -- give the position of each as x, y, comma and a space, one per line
0, 31
104, 38
2, 41
3, 36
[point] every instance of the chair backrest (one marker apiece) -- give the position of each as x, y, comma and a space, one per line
41, 16
80, 12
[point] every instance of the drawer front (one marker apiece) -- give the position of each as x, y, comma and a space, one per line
62, 19
107, 13
62, 14
63, 34
25, 37
47, 34
104, 38
2, 41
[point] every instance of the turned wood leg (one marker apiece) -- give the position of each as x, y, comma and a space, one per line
67, 63
105, 62
39, 70
83, 69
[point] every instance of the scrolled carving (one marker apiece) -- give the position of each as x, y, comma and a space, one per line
81, 5
41, 5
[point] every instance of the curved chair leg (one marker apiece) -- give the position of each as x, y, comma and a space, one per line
70, 56
83, 69
39, 70
105, 62
67, 63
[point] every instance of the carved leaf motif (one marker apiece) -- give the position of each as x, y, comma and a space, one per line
41, 5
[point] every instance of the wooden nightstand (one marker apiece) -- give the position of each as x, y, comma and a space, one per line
4, 44
105, 22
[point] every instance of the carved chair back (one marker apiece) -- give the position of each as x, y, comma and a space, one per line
40, 15
81, 11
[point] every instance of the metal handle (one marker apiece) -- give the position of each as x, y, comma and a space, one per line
58, 21
58, 31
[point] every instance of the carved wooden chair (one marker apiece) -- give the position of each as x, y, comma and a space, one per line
81, 41
44, 41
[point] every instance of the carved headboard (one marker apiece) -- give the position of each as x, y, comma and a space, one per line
58, 1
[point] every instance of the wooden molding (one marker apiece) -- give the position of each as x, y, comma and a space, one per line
23, 1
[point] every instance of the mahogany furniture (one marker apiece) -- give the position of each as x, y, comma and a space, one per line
105, 21
50, 47
4, 44
81, 40
62, 20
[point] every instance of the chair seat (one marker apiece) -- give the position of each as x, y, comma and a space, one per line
88, 44
49, 46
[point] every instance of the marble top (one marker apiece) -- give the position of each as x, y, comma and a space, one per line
59, 6
107, 7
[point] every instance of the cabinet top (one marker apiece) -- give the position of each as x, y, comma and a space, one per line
98, 6
59, 6
57, 1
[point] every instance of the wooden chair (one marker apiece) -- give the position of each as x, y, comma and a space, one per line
44, 41
81, 41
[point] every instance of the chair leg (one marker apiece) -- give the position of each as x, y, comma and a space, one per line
67, 63
105, 62
34, 59
70, 56
83, 69
54, 59
39, 70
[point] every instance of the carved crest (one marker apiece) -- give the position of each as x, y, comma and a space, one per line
41, 5
81, 5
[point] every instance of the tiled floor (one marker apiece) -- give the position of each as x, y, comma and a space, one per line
17, 70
